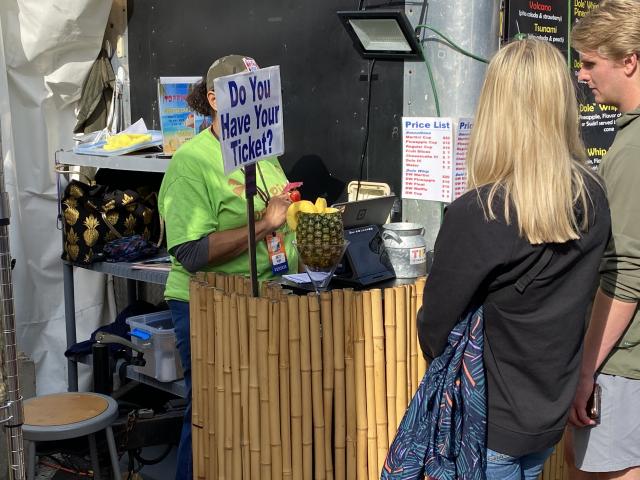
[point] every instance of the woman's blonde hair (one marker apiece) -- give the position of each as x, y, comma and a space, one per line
526, 143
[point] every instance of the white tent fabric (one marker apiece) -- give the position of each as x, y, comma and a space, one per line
48, 48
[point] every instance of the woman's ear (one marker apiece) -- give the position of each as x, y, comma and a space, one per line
211, 97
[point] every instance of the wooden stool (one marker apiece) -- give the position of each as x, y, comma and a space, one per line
62, 416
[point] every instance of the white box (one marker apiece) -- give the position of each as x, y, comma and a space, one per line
154, 333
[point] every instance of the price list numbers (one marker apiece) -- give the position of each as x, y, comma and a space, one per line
427, 158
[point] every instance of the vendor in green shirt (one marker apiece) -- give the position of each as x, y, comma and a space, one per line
205, 212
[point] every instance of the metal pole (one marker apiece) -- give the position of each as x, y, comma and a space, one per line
250, 192
11, 410
11, 413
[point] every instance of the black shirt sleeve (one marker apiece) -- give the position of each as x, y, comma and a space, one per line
469, 252
192, 255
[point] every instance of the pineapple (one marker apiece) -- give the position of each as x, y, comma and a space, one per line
319, 232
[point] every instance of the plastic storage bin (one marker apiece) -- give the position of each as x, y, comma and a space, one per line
154, 333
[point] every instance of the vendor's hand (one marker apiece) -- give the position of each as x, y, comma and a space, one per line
276, 212
578, 412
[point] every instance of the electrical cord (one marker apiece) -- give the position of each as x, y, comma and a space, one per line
363, 155
432, 82
452, 44
143, 461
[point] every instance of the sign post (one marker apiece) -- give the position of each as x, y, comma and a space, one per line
250, 110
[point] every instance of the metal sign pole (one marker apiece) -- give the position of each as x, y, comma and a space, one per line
250, 193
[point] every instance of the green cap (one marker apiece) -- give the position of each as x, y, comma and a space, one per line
228, 66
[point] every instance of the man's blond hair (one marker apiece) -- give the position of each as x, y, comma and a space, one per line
612, 30
526, 143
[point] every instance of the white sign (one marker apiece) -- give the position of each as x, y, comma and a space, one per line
250, 110
433, 158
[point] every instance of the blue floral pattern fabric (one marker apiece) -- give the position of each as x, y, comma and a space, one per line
442, 435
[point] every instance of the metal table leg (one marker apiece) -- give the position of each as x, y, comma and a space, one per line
70, 323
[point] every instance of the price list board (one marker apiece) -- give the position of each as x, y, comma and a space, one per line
597, 121
434, 152
427, 158
463, 135
543, 19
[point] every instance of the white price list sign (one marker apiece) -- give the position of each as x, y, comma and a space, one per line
427, 145
434, 153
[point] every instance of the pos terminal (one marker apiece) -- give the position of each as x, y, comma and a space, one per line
365, 261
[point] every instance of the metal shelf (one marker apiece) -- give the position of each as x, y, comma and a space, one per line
124, 270
150, 162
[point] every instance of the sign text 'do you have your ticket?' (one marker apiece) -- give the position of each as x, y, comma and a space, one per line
250, 109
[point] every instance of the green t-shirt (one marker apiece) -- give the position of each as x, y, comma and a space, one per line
196, 198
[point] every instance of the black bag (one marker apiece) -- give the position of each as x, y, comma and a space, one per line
93, 215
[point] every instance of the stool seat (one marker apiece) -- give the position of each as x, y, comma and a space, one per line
62, 416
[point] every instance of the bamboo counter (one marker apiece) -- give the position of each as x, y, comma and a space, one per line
309, 386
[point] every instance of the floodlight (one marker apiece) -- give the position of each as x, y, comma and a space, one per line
381, 34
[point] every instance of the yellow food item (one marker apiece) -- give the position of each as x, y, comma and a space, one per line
304, 206
123, 140
321, 205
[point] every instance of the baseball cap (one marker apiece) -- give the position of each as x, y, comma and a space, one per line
228, 66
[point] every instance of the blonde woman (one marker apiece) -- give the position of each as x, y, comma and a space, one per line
524, 242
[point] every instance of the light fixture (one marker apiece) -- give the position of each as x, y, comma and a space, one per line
381, 34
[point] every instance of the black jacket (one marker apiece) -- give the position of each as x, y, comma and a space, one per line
533, 340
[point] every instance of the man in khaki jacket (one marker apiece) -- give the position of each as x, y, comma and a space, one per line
608, 40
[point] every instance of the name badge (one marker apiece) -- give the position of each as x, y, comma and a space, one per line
277, 253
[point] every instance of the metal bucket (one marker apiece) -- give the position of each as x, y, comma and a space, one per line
406, 248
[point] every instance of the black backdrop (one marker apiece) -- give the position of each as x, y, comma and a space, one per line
324, 80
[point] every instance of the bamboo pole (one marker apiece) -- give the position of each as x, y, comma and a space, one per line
413, 351
296, 387
238, 285
407, 321
350, 383
328, 377
361, 390
243, 342
422, 362
380, 376
228, 394
263, 381
236, 400
273, 352
340, 421
401, 354
254, 390
195, 328
372, 433
316, 387
415, 348
391, 360
285, 399
220, 280
305, 374
219, 382
208, 403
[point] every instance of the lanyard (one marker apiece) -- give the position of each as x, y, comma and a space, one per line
263, 194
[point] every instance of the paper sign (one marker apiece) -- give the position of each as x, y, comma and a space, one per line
433, 158
250, 110
462, 137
